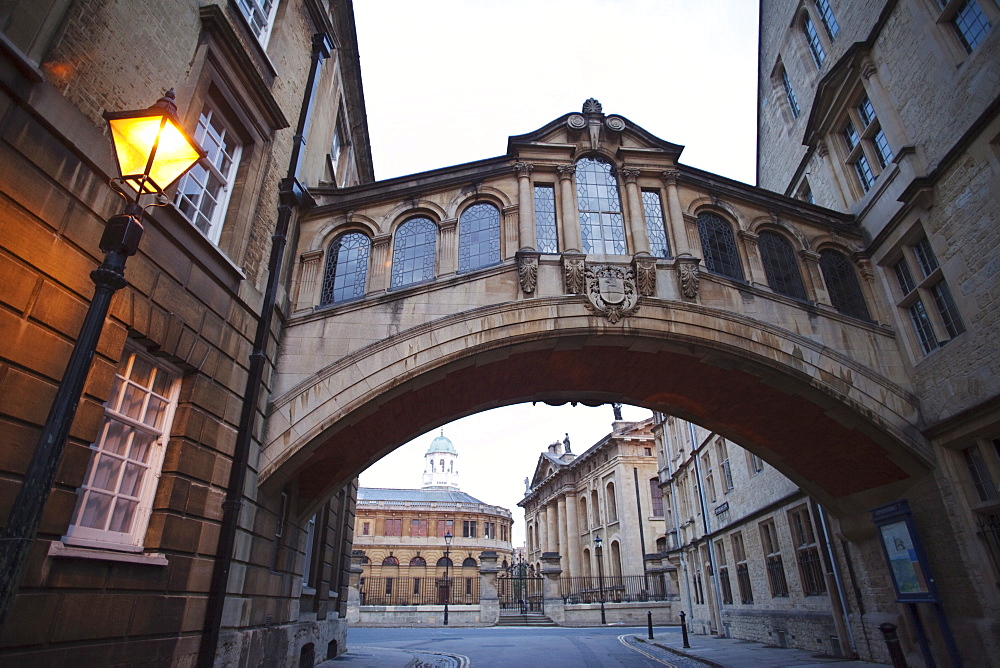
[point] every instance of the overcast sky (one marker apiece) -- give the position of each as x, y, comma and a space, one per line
447, 81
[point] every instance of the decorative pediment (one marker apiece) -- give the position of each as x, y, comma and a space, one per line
592, 129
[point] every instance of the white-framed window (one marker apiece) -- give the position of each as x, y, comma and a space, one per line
260, 15
969, 19
341, 155
924, 296
203, 193
115, 501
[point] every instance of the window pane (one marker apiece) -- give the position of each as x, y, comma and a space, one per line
414, 252
851, 135
904, 277
546, 237
780, 267
652, 209
346, 268
946, 307
970, 24
479, 237
718, 245
981, 478
922, 326
864, 171
602, 227
866, 111
925, 257
793, 103
815, 46
826, 15
842, 284
882, 148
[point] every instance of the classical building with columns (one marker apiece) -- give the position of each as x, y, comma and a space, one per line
610, 490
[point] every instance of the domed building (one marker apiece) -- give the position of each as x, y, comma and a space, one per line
402, 534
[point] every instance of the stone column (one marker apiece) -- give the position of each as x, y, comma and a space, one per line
572, 550
543, 529
306, 294
570, 220
525, 207
636, 214
552, 528
675, 216
752, 250
563, 538
381, 263
832, 175
551, 591
448, 247
354, 587
489, 599
510, 232
810, 260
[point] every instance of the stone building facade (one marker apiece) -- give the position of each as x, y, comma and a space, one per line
753, 554
122, 568
573, 499
889, 111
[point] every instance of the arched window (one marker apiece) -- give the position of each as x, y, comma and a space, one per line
602, 227
469, 562
780, 267
478, 237
418, 561
842, 284
346, 268
444, 561
612, 502
718, 246
413, 252
390, 561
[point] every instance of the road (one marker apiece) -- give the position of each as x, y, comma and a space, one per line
507, 647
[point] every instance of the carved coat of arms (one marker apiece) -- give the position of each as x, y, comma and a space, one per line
611, 291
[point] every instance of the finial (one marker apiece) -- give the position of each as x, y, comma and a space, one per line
592, 106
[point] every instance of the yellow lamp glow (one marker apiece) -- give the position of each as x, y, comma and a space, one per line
151, 147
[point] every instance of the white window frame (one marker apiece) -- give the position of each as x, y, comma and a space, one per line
251, 8
208, 164
131, 541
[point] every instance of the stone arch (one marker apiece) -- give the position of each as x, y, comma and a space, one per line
794, 234
403, 211
325, 235
720, 207
737, 376
484, 193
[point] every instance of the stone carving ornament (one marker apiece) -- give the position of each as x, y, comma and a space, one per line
688, 276
615, 123
645, 275
527, 271
611, 291
574, 270
576, 122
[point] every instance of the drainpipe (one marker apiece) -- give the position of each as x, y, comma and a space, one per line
707, 525
642, 532
291, 195
840, 618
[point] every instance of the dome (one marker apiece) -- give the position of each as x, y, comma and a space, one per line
442, 444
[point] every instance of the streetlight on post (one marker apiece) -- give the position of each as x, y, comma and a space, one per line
599, 551
152, 151
447, 583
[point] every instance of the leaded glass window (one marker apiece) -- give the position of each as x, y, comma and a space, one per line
842, 284
413, 253
652, 209
346, 268
478, 237
602, 227
718, 246
780, 267
546, 236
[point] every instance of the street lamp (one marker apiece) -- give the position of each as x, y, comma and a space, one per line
152, 151
447, 584
599, 551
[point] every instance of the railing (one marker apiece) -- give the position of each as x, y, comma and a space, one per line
419, 591
616, 589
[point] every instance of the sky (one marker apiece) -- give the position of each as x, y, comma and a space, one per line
447, 81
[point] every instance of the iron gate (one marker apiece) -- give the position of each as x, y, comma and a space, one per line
520, 590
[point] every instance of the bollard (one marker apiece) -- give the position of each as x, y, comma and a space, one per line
892, 644
684, 631
649, 623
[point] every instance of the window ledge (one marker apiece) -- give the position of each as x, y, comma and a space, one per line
60, 550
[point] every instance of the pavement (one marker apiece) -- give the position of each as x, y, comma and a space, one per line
666, 649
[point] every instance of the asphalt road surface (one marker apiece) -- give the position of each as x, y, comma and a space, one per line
507, 647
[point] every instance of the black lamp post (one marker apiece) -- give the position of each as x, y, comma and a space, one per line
152, 151
447, 583
599, 551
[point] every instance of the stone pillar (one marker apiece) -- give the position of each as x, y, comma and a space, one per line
563, 538
832, 175
552, 529
489, 598
752, 251
814, 276
551, 589
510, 232
354, 587
636, 215
570, 220
675, 216
525, 207
572, 550
381, 263
448, 247
543, 529
306, 294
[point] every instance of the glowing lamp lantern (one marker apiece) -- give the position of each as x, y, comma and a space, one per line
151, 147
